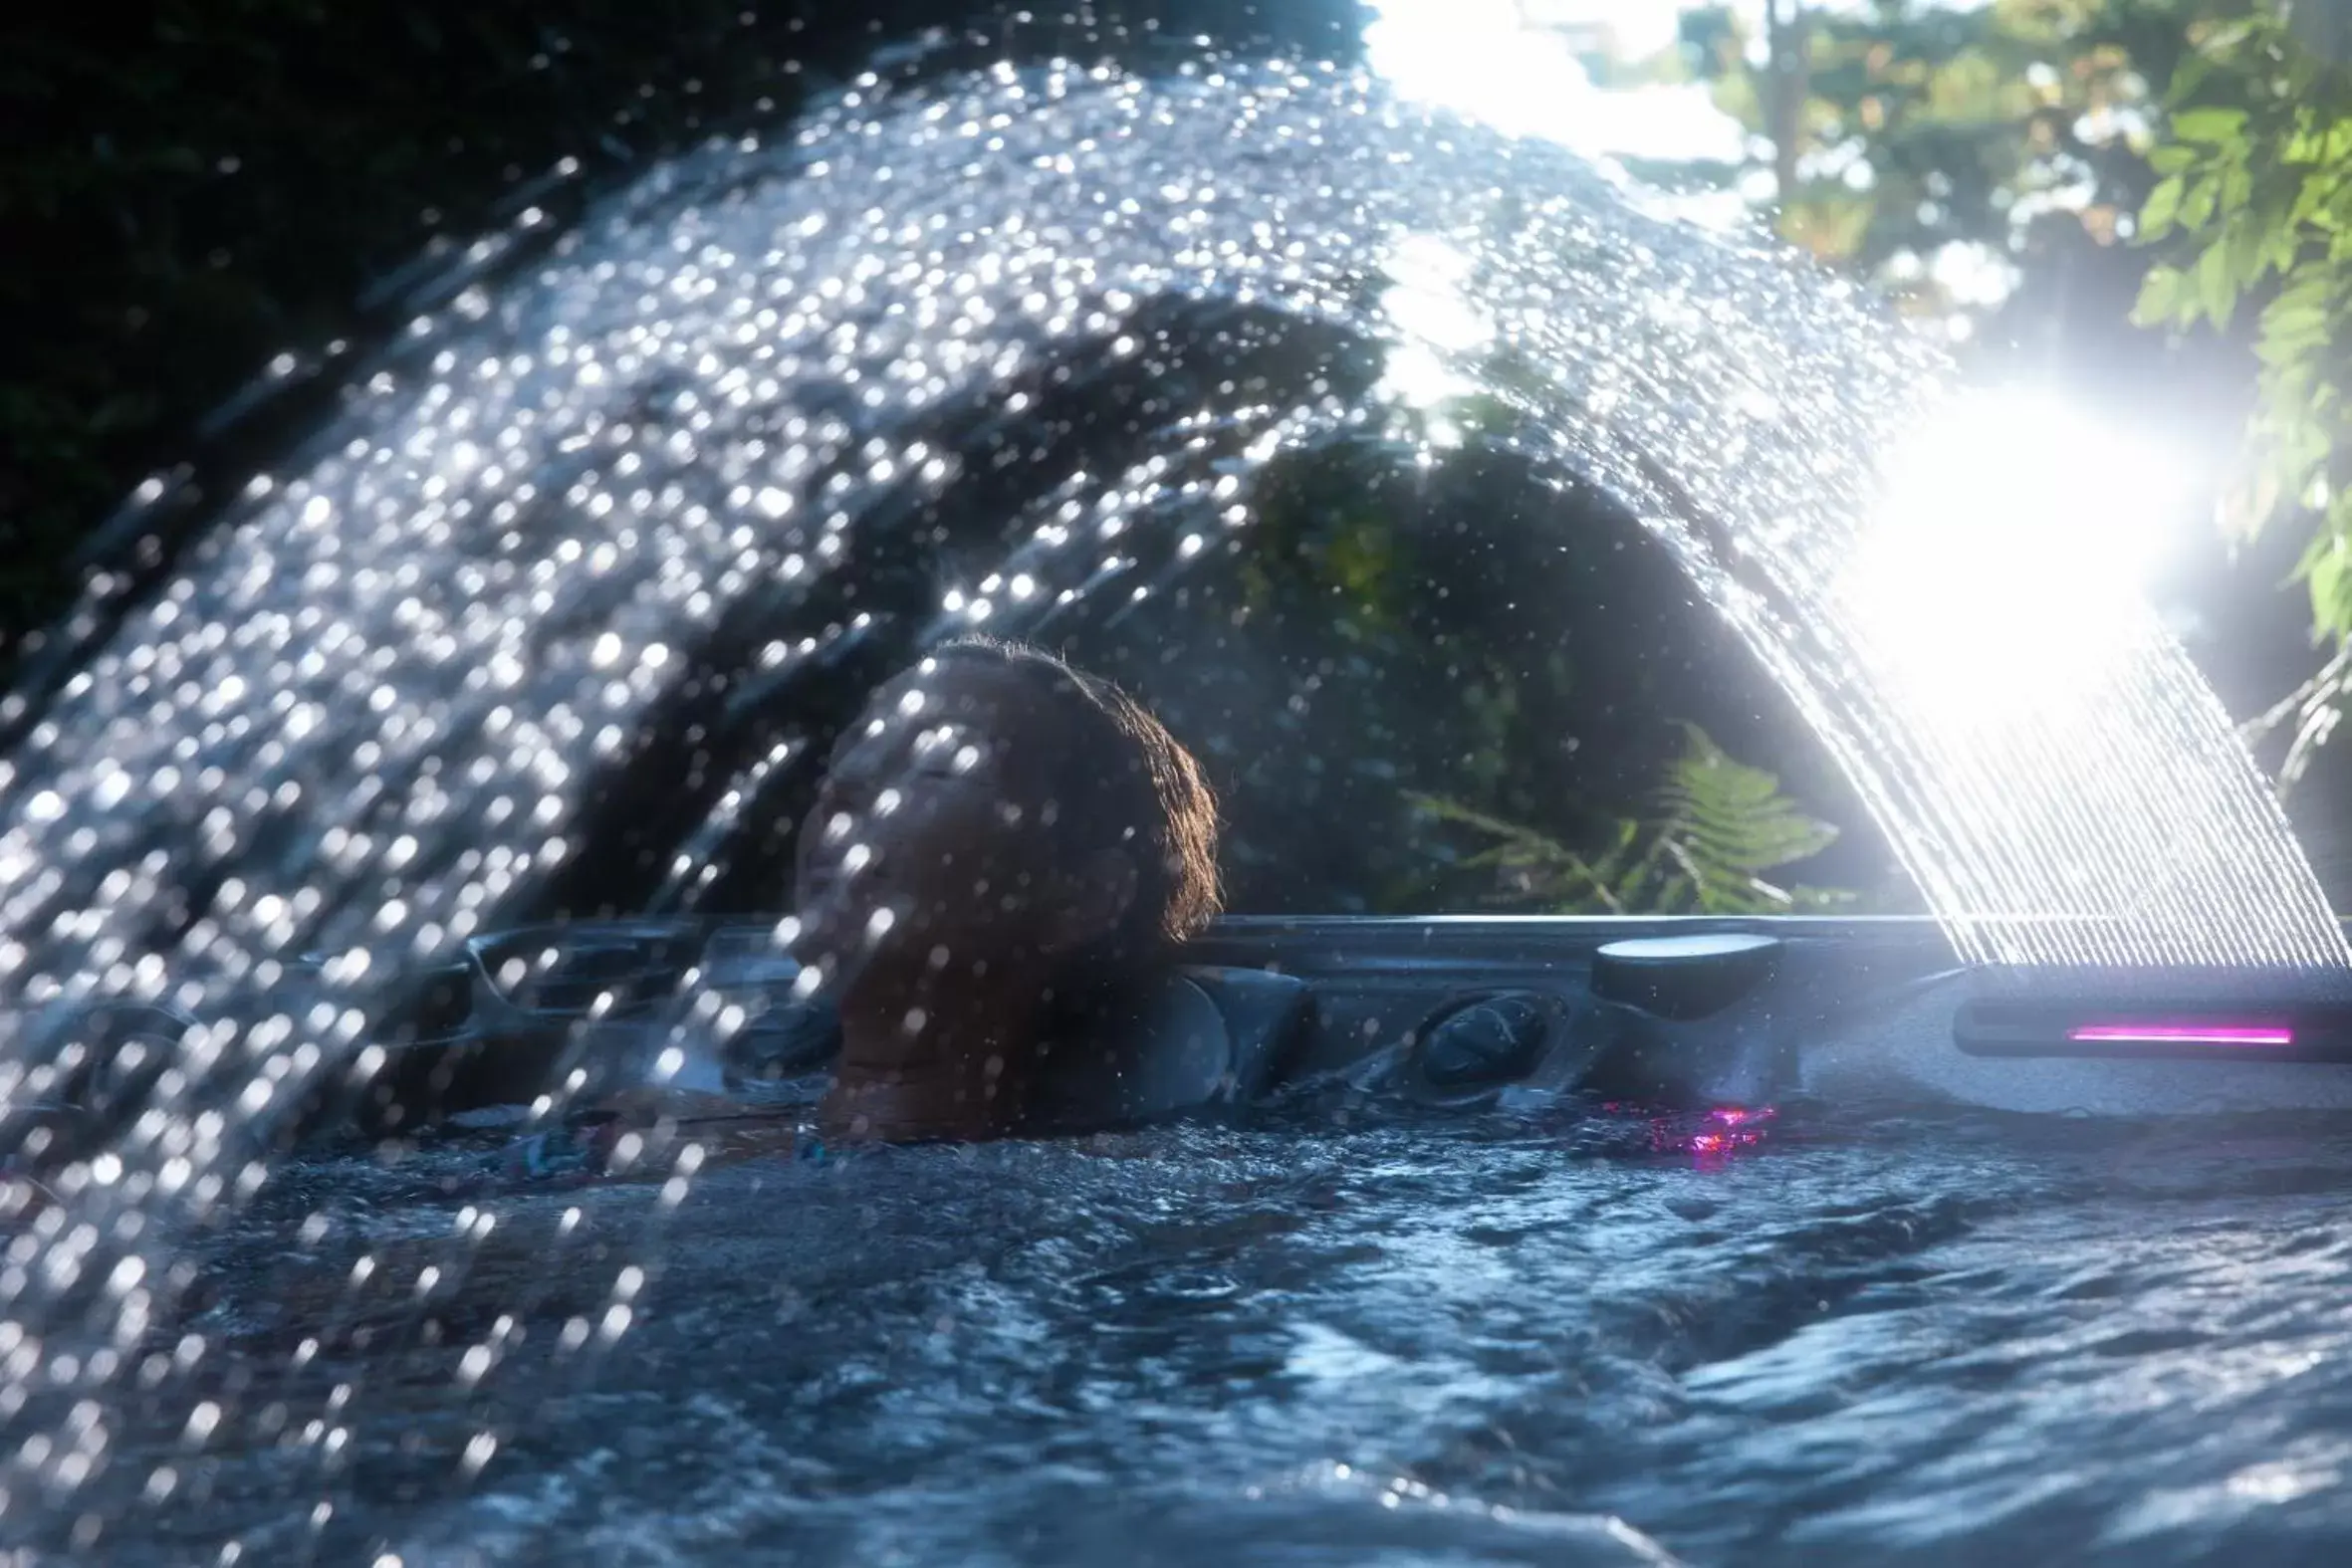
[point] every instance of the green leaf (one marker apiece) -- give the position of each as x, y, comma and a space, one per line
2196, 208
2209, 127
2278, 253
2328, 576
2163, 205
2242, 244
2216, 290
2237, 186
2291, 324
2310, 291
2316, 201
2172, 158
2189, 72
2159, 304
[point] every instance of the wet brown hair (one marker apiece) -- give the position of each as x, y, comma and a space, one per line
1118, 781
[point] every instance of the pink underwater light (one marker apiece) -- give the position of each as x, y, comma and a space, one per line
2185, 1033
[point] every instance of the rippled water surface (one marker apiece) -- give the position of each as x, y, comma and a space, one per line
1472, 1341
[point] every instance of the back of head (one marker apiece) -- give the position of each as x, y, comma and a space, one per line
1111, 777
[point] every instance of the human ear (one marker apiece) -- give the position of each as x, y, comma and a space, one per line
1093, 901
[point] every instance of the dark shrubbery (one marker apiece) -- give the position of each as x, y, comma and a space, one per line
191, 188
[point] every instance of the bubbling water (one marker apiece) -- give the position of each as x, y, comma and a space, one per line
366, 714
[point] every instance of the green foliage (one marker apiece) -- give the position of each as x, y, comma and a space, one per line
1716, 827
1424, 656
2256, 211
2017, 126
1400, 628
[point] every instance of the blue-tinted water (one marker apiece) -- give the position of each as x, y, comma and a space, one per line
1898, 1340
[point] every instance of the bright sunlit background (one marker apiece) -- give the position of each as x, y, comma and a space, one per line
1429, 305
2012, 554
1518, 65
2016, 497
1528, 66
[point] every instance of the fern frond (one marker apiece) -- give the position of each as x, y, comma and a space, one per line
1719, 826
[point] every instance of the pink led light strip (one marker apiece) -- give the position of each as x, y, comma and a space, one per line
2185, 1033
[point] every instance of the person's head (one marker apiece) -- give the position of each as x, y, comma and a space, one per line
997, 816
